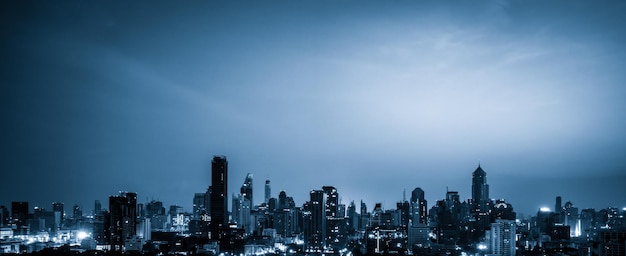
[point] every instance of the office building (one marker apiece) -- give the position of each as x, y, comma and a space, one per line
123, 219
315, 230
268, 191
419, 211
480, 188
219, 196
246, 189
502, 238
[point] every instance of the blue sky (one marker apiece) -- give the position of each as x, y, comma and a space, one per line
371, 97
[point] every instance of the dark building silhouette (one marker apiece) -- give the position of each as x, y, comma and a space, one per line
353, 218
4, 216
77, 212
502, 211
19, 216
219, 196
332, 201
405, 209
97, 207
246, 189
481, 204
286, 216
315, 217
101, 227
480, 188
557, 205
419, 210
199, 201
612, 243
123, 218
156, 212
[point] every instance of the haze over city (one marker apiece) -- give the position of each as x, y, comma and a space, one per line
370, 97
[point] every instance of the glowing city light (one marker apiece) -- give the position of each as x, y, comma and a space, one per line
544, 209
82, 235
482, 247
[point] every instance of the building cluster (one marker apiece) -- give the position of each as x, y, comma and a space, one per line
322, 225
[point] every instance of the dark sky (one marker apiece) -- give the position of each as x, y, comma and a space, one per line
371, 97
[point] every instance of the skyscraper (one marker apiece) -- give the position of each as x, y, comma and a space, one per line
332, 201
558, 207
503, 238
268, 191
246, 189
57, 209
419, 211
481, 204
480, 188
245, 204
315, 235
199, 199
19, 215
219, 195
97, 207
123, 218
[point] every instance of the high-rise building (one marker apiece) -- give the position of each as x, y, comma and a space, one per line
219, 195
57, 209
502, 237
332, 201
481, 204
419, 211
156, 212
246, 189
123, 219
268, 191
570, 218
353, 217
97, 207
403, 209
19, 215
199, 199
77, 212
315, 232
558, 207
480, 188
4, 216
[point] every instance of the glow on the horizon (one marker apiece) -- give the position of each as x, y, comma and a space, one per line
544, 209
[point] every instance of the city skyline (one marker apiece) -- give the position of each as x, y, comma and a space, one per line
371, 98
543, 204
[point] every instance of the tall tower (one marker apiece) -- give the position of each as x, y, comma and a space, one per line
268, 191
19, 215
246, 188
332, 201
480, 188
419, 211
219, 195
123, 219
315, 233
481, 203
246, 204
